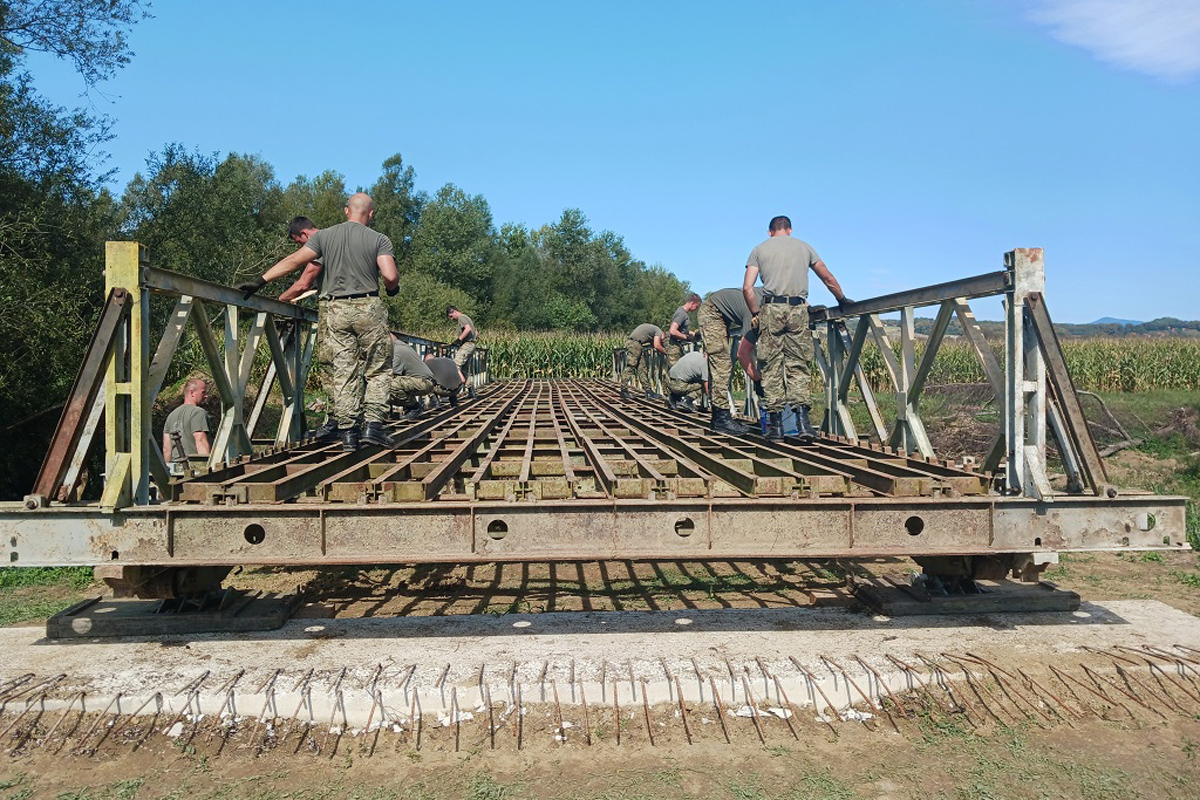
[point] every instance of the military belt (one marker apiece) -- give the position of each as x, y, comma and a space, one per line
783, 298
355, 296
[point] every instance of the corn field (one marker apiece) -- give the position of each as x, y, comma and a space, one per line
1099, 364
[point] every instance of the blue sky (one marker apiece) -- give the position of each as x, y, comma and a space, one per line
911, 142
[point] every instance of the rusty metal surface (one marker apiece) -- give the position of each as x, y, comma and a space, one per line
568, 470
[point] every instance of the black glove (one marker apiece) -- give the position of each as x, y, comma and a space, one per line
250, 287
759, 390
845, 301
392, 291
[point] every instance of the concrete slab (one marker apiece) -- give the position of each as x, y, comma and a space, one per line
524, 658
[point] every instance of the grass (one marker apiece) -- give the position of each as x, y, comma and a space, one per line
33, 593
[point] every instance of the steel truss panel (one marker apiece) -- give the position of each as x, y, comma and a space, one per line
347, 533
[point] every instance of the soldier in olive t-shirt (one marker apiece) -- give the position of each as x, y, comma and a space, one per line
637, 360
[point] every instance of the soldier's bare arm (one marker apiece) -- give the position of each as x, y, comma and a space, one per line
745, 357
201, 439
831, 283
387, 270
290, 263
303, 283
658, 345
748, 288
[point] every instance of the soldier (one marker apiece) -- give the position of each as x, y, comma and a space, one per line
679, 335
300, 229
637, 360
189, 424
724, 314
465, 343
447, 380
687, 380
354, 258
411, 378
785, 343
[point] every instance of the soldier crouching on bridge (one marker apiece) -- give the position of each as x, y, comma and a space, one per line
447, 381
687, 380
785, 345
411, 378
723, 315
355, 257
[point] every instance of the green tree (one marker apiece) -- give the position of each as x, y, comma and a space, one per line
322, 199
455, 244
397, 206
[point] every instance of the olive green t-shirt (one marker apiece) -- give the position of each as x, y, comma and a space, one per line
463, 322
445, 372
692, 368
188, 420
646, 332
783, 264
731, 305
405, 361
682, 319
349, 252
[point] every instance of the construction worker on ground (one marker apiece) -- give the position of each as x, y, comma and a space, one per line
637, 360
724, 314
687, 380
464, 344
785, 344
678, 334
411, 378
354, 258
185, 432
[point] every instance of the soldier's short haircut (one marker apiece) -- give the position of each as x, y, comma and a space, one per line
299, 225
450, 309
692, 298
195, 383
779, 224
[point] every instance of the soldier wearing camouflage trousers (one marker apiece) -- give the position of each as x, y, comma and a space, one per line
637, 360
355, 258
785, 344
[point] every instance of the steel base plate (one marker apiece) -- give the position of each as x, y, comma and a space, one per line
893, 597
102, 617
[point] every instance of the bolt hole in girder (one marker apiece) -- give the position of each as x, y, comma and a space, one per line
1146, 522
685, 527
254, 533
1037, 542
914, 525
12, 557
114, 556
497, 529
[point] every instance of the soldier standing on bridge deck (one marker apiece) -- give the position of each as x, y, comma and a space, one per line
465, 343
355, 257
678, 334
724, 314
785, 346
637, 360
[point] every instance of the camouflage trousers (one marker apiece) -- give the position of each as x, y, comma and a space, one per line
715, 335
407, 389
637, 365
674, 350
686, 388
462, 356
358, 330
785, 351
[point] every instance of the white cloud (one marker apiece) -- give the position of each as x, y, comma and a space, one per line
1157, 37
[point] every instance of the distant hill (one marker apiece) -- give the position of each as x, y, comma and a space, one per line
1115, 321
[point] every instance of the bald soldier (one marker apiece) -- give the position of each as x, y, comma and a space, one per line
637, 360
354, 258
785, 345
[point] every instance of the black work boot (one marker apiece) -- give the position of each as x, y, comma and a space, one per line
327, 433
350, 438
376, 434
775, 426
675, 402
804, 428
412, 411
723, 422
453, 398
686, 403
626, 394
653, 395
